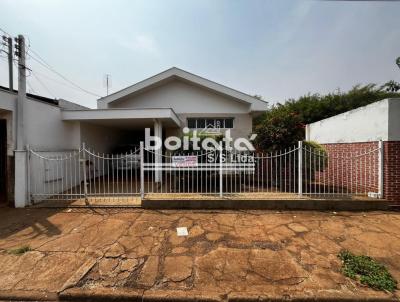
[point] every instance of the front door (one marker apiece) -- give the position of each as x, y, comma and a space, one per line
3, 161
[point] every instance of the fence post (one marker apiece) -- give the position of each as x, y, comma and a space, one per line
220, 173
380, 169
141, 171
84, 172
300, 168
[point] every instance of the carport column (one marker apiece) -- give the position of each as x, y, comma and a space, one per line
158, 155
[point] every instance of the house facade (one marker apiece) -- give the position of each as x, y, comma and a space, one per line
165, 103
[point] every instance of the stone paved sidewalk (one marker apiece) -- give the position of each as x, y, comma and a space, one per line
228, 255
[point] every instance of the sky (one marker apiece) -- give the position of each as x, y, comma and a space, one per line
277, 49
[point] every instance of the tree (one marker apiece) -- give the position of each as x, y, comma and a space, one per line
282, 125
278, 128
391, 86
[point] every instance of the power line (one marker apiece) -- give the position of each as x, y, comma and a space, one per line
44, 86
30, 86
5, 32
42, 62
35, 56
42, 75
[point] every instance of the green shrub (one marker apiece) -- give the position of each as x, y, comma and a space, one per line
368, 271
319, 156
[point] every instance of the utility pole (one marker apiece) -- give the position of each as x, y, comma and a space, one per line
20, 53
8, 42
21, 154
10, 63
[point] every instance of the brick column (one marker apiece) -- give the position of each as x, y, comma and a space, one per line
391, 171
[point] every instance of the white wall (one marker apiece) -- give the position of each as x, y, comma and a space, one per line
8, 107
43, 126
183, 97
377, 121
45, 129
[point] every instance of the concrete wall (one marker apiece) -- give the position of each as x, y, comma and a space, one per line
44, 129
365, 124
377, 121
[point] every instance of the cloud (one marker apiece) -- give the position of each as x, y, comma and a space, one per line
143, 43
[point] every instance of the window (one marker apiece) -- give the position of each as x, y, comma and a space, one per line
229, 123
191, 123
201, 123
210, 123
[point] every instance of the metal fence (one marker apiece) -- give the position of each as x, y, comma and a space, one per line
340, 173
221, 173
300, 170
83, 173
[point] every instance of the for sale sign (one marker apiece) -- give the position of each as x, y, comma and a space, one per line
183, 161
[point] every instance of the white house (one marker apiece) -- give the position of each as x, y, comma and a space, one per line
166, 103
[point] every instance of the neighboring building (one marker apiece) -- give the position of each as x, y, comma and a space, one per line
360, 129
166, 103
44, 130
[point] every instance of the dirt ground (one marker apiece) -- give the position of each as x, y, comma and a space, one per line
228, 255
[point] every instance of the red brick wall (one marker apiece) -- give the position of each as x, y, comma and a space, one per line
361, 175
351, 168
391, 171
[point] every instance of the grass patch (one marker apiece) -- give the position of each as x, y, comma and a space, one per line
20, 250
368, 271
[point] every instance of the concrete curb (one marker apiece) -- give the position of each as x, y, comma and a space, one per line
109, 294
24, 295
121, 295
269, 204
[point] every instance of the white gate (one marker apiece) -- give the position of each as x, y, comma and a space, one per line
83, 174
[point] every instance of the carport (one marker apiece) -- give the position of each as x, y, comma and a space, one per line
158, 119
124, 125
95, 169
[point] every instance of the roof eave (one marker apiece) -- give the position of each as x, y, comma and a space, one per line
176, 72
